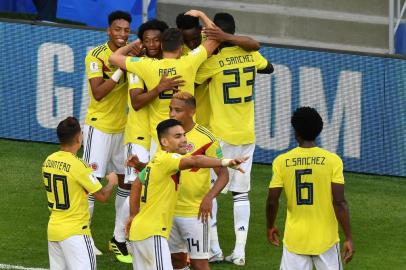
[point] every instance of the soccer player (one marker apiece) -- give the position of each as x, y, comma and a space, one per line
151, 71
154, 193
192, 38
314, 186
232, 76
107, 111
68, 180
189, 233
137, 134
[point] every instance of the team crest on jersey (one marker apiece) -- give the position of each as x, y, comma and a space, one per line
94, 166
190, 147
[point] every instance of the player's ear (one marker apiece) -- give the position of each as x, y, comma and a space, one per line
164, 141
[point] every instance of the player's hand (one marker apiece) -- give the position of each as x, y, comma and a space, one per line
128, 226
194, 13
205, 209
132, 161
348, 251
112, 178
273, 236
216, 33
136, 48
172, 83
234, 163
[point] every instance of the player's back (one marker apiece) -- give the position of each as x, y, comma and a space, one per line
67, 180
110, 113
151, 72
306, 174
232, 72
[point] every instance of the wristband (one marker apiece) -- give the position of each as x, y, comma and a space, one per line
225, 162
117, 75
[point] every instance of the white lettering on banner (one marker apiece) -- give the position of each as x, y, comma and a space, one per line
280, 137
50, 113
346, 109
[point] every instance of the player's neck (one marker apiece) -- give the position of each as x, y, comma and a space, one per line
307, 144
111, 45
188, 126
69, 148
171, 55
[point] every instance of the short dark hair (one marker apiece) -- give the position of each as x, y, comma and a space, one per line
185, 22
152, 25
162, 127
171, 39
119, 14
307, 123
225, 21
67, 130
186, 97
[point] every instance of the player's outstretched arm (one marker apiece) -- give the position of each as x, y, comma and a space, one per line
343, 217
118, 57
103, 194
245, 42
272, 206
140, 97
207, 202
135, 195
201, 161
133, 161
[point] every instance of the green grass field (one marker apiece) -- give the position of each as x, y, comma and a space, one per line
377, 206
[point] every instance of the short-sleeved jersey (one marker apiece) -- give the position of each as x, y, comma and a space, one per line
151, 71
137, 128
110, 113
160, 180
68, 180
306, 175
232, 72
195, 183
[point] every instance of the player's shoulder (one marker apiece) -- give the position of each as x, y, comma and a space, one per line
205, 132
98, 51
78, 162
331, 155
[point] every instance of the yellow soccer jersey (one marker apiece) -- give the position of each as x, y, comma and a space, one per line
232, 72
306, 175
68, 180
195, 183
137, 127
160, 180
203, 107
110, 113
151, 71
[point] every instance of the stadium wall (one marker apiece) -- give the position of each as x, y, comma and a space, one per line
361, 98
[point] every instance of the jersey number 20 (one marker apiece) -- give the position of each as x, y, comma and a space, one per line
52, 184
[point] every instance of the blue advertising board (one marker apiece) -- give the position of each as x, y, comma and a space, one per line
361, 98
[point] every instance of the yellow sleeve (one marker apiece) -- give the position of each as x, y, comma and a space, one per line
338, 176
172, 161
277, 180
134, 82
214, 150
94, 67
205, 72
136, 65
84, 175
196, 57
260, 61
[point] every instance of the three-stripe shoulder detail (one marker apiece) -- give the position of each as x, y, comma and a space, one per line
206, 132
98, 50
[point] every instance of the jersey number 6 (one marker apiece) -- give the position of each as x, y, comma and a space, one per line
301, 186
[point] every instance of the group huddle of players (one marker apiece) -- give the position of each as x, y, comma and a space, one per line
163, 110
